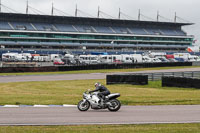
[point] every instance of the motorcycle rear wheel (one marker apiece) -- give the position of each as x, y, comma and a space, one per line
115, 105
83, 106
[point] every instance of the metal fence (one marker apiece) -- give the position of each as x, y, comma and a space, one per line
158, 76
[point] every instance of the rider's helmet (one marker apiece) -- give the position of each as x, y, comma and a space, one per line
97, 84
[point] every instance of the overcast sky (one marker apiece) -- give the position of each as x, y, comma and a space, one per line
186, 9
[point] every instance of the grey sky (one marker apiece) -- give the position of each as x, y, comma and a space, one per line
186, 9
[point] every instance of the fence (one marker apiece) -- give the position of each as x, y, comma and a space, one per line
158, 76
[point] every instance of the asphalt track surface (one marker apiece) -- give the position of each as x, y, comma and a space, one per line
71, 115
126, 115
6, 79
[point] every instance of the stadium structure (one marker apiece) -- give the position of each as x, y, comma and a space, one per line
47, 33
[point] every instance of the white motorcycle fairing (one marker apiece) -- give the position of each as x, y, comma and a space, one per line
113, 96
92, 100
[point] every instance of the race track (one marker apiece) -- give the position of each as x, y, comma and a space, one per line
126, 115
5, 79
71, 115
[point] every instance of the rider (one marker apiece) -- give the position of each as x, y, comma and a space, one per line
103, 91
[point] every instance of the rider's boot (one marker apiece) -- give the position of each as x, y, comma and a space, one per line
101, 101
105, 100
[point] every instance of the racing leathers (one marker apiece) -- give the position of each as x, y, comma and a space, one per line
103, 91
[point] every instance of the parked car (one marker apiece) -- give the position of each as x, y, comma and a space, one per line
58, 61
164, 59
155, 60
180, 59
172, 60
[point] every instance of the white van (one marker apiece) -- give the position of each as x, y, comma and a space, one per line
105, 58
157, 54
155, 60
110, 58
136, 58
125, 58
116, 58
146, 59
89, 59
27, 56
193, 58
184, 56
54, 56
9, 56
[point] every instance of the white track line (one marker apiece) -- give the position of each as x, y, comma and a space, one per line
22, 106
11, 106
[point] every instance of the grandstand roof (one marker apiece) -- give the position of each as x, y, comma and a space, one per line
83, 20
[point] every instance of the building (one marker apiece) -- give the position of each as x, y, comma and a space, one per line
26, 32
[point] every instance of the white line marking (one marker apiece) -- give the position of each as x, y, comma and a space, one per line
40, 106
67, 105
11, 106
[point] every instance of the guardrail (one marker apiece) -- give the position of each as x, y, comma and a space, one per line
158, 76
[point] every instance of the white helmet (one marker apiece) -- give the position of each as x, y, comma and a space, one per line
97, 84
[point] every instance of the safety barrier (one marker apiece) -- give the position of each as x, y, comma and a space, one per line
159, 75
123, 66
184, 82
27, 69
127, 79
92, 67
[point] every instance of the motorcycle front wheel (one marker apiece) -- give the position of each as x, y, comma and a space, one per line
83, 105
115, 105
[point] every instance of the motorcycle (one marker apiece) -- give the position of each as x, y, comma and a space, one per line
92, 100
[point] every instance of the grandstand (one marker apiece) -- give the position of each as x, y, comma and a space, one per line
58, 33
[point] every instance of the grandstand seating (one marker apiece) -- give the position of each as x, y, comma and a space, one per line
89, 29
121, 30
44, 27
103, 29
33, 31
21, 26
49, 43
4, 26
168, 32
84, 28
153, 31
65, 28
139, 31
88, 44
29, 43
180, 32
7, 42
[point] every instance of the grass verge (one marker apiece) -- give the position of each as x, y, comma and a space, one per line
154, 128
96, 71
70, 92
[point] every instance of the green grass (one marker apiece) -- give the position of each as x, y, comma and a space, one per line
154, 128
70, 92
97, 71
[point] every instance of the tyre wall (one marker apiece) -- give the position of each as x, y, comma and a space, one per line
127, 79
180, 82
